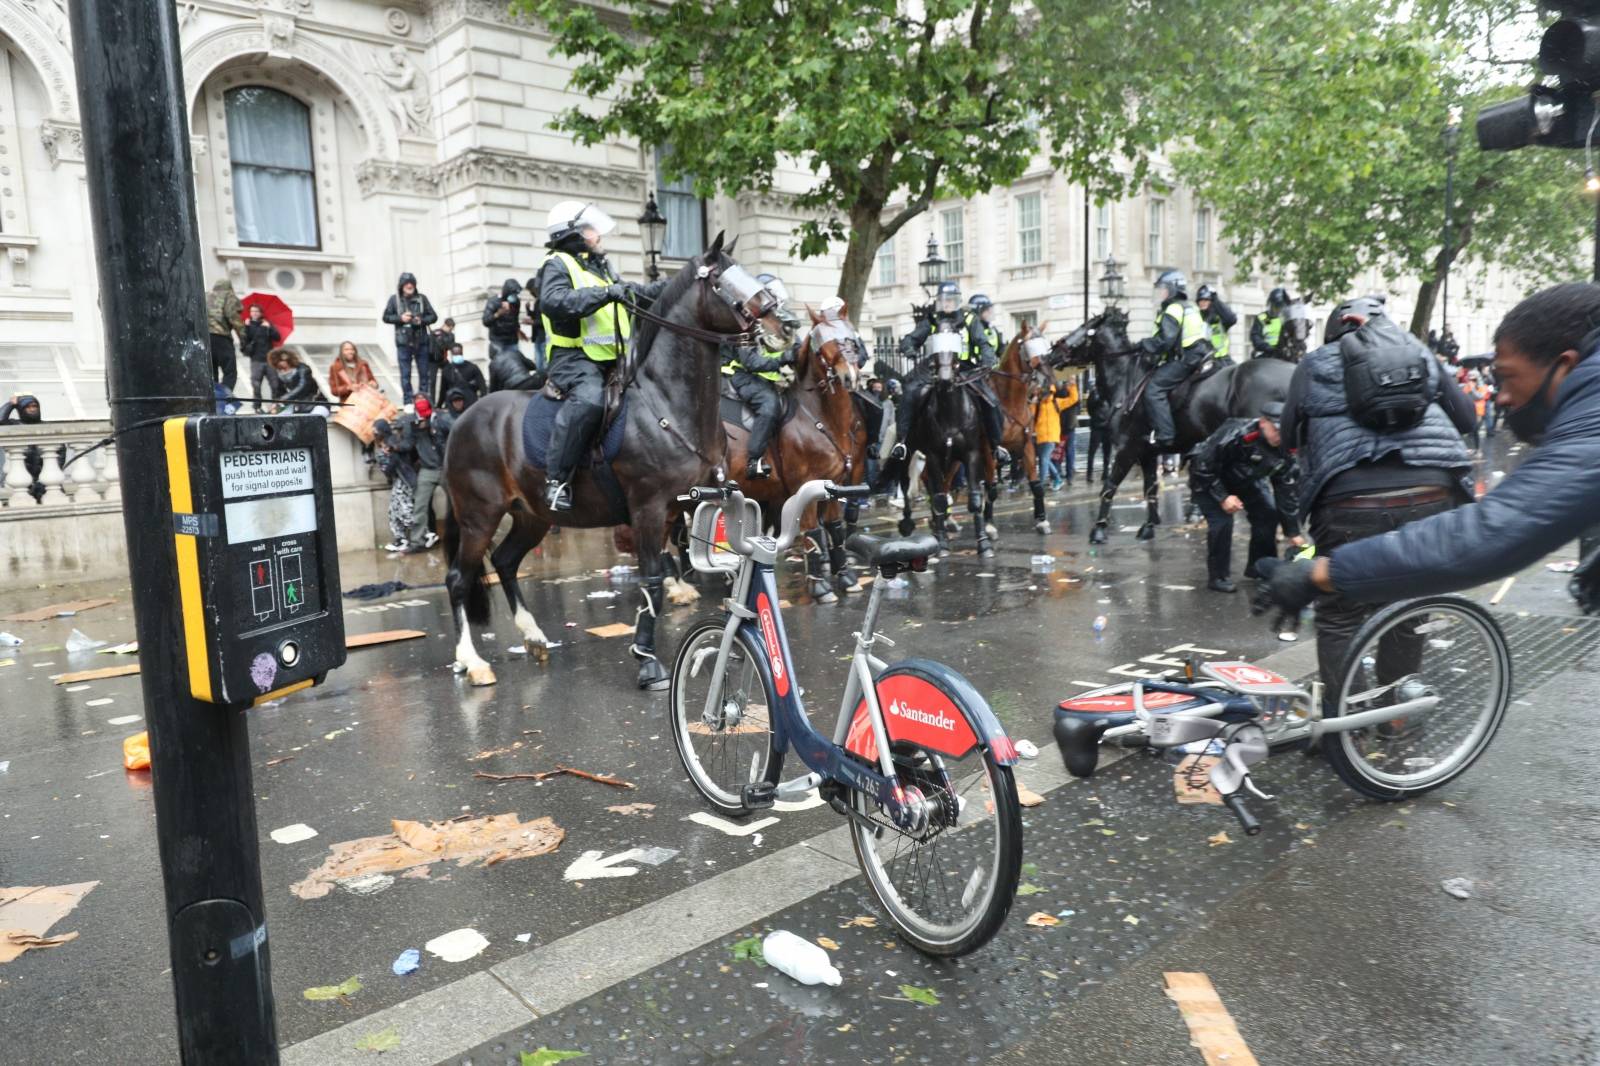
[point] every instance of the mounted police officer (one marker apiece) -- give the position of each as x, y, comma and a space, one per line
583, 304
1180, 346
1266, 329
981, 307
949, 317
755, 377
1219, 320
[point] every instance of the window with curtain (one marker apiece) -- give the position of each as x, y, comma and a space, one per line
1155, 245
1102, 231
886, 263
1030, 228
1202, 238
955, 241
269, 151
684, 211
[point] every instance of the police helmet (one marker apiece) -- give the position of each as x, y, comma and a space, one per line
1205, 292
947, 300
1278, 297
979, 301
1175, 283
1272, 411
774, 284
574, 216
1344, 317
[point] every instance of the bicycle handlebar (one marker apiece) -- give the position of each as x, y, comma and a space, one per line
789, 523
1247, 821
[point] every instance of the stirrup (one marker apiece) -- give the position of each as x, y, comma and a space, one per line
899, 451
756, 470
558, 495
1001, 455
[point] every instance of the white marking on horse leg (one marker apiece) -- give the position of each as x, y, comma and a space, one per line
528, 626
478, 671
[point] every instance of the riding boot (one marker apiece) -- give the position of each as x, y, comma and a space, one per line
652, 675
994, 431
574, 426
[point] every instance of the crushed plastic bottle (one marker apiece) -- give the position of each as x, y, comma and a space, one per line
78, 640
800, 959
1100, 623
1044, 563
8, 640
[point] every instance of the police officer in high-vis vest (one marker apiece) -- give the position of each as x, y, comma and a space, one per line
1219, 320
982, 308
1266, 329
1180, 346
949, 317
755, 376
584, 307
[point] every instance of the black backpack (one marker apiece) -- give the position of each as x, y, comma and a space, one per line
1387, 384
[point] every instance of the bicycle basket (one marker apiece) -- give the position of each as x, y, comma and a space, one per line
710, 547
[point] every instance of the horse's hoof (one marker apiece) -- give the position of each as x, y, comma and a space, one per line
1147, 532
827, 596
653, 676
906, 527
1041, 526
538, 651
482, 674
680, 593
845, 582
992, 530
1097, 535
986, 552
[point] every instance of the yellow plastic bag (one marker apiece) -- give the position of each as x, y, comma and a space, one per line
136, 752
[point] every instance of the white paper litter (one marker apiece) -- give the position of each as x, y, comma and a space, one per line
1027, 749
367, 884
459, 945
293, 834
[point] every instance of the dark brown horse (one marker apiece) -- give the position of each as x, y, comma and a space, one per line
823, 438
672, 441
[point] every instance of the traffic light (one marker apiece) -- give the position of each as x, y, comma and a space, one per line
1560, 115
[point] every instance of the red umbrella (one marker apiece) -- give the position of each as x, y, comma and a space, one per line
274, 310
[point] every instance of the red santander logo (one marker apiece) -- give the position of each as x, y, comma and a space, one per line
769, 634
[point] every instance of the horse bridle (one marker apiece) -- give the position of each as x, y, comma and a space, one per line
748, 309
849, 343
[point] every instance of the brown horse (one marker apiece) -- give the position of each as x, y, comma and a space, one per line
824, 437
672, 441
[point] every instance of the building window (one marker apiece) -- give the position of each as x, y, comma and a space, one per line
1024, 318
1030, 229
1102, 232
955, 241
1202, 238
684, 211
1155, 245
883, 342
274, 188
886, 264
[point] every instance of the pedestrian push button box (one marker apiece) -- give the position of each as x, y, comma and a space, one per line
258, 577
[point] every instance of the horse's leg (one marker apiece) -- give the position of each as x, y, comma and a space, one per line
469, 598
649, 528
977, 490
908, 521
527, 530
1152, 490
838, 530
951, 526
677, 572
816, 559
1109, 480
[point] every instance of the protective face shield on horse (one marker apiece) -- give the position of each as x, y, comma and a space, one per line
945, 349
752, 303
848, 348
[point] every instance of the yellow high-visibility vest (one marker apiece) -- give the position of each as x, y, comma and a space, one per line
606, 332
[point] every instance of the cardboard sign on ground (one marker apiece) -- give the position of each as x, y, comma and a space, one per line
57, 610
27, 913
1190, 783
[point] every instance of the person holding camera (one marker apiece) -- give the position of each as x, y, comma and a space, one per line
410, 313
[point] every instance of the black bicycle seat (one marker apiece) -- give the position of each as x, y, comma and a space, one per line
900, 552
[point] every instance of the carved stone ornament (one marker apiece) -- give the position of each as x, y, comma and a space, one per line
278, 29
378, 176
398, 21
478, 166
63, 142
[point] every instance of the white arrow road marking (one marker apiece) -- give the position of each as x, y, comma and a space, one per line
733, 829
809, 800
592, 865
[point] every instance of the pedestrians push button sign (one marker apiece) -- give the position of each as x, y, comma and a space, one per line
257, 556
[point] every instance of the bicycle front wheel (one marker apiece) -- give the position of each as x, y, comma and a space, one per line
724, 737
947, 883
1442, 646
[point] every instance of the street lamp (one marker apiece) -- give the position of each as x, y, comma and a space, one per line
654, 227
930, 272
1113, 286
1452, 135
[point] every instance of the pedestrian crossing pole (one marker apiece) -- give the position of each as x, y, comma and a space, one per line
151, 294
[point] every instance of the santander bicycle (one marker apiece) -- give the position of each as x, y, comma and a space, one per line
918, 764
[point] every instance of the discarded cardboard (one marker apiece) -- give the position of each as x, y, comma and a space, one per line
1211, 1027
1190, 783
469, 841
57, 610
359, 640
27, 913
104, 672
615, 629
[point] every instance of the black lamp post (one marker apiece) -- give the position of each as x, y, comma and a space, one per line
654, 227
1452, 135
930, 272
1113, 286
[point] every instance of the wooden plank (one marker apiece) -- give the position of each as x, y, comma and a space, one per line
57, 610
1211, 1027
96, 675
360, 640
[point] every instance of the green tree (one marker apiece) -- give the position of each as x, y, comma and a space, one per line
1335, 161
886, 104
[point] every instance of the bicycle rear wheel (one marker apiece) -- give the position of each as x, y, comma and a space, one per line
948, 884
1442, 646
731, 744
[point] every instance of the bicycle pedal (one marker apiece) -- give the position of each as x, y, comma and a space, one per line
758, 795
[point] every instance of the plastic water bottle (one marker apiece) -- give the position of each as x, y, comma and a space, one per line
801, 959
1099, 624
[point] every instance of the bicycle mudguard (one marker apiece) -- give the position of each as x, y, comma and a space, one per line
1081, 721
930, 705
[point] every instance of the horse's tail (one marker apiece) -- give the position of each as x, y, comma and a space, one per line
475, 594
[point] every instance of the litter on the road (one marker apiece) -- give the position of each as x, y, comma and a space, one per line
654, 856
1459, 887
57, 610
458, 945
293, 834
1027, 749
78, 640
615, 629
73, 677
523, 938
407, 962
633, 808
800, 959
484, 841
343, 990
1100, 623
614, 782
603, 594
28, 912
130, 647
136, 752
9, 640
1042, 920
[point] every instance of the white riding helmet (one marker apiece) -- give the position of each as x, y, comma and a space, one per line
571, 216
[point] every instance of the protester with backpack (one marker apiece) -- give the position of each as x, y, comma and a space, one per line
1377, 425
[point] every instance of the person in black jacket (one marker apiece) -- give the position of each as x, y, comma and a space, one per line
456, 402
754, 377
459, 372
294, 386
1229, 472
421, 445
500, 317
535, 322
948, 316
441, 341
257, 339
410, 313
23, 408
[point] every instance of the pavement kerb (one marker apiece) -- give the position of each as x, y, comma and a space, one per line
454, 1018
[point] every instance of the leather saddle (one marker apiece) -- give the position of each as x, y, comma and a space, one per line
733, 411
1180, 395
615, 378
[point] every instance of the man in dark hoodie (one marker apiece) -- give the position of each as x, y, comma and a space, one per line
500, 315
458, 372
410, 313
24, 409
584, 306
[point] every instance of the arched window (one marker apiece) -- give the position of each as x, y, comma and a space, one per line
274, 191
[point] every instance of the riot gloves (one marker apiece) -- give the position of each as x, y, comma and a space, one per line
1284, 586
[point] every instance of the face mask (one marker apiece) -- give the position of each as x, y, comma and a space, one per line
458, 359
1530, 420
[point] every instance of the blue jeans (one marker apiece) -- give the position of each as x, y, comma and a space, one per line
1047, 462
1070, 457
405, 355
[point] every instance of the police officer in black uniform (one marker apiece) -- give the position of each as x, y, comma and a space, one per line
1230, 472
